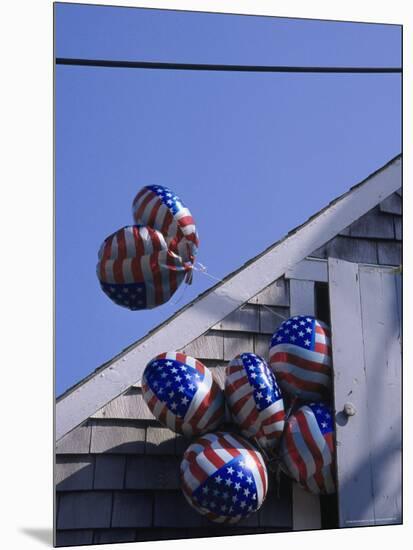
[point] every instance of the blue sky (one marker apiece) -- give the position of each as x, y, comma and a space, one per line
252, 155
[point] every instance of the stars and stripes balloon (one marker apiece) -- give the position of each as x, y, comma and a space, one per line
137, 270
182, 394
223, 477
159, 207
307, 448
254, 399
300, 356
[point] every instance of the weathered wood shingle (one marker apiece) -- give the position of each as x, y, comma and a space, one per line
207, 346
160, 441
375, 224
350, 249
392, 205
389, 253
120, 438
271, 318
84, 510
172, 510
128, 406
132, 509
276, 294
74, 472
397, 228
236, 343
109, 471
75, 442
153, 473
244, 319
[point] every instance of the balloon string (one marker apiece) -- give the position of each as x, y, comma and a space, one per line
180, 298
203, 269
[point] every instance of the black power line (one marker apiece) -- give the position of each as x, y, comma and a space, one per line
233, 68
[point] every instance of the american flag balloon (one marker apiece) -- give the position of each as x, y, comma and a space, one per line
300, 355
160, 208
307, 448
254, 399
182, 394
223, 477
137, 270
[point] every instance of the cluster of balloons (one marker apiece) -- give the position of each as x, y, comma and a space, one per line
224, 475
141, 266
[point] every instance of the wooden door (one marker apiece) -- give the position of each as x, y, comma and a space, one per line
365, 321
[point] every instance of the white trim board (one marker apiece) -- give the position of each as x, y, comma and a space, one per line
96, 391
309, 270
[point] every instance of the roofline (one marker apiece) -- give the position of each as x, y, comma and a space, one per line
126, 368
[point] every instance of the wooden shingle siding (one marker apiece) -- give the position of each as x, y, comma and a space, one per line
398, 228
374, 224
389, 253
132, 509
136, 472
160, 441
74, 472
261, 345
152, 473
373, 238
163, 473
350, 249
302, 297
245, 318
172, 510
121, 438
236, 343
276, 294
129, 405
207, 346
271, 318
392, 205
109, 471
84, 510
181, 444
75, 442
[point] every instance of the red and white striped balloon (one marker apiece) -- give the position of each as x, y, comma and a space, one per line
159, 207
224, 477
137, 270
300, 356
182, 394
307, 448
254, 399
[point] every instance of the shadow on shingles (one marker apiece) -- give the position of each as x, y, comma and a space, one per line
44, 535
